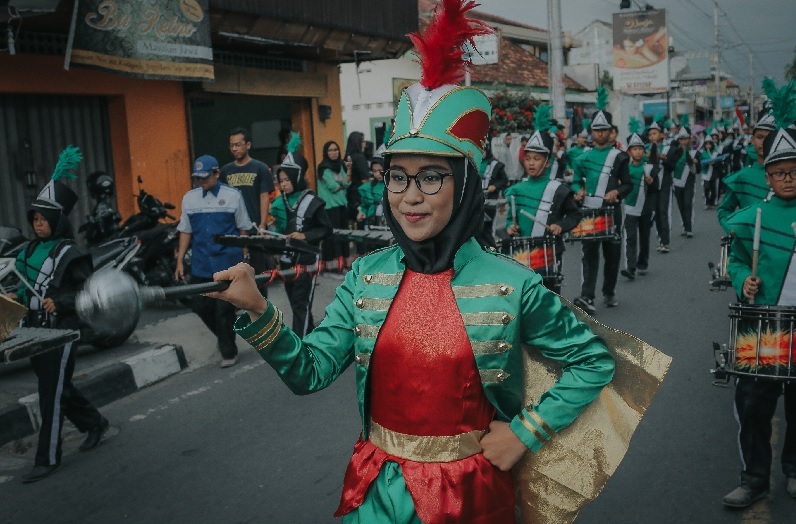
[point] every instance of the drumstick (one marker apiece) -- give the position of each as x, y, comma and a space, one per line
534, 218
513, 211
756, 246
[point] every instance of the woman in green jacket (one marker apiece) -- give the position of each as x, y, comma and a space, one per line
334, 177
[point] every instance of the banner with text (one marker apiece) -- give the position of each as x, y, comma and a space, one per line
156, 39
641, 49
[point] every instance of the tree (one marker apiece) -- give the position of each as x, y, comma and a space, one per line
790, 69
512, 111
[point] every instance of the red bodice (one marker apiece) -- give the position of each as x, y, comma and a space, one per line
424, 381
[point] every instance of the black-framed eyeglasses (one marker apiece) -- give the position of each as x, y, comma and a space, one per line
428, 181
779, 176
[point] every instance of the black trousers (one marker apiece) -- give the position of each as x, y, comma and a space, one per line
612, 253
300, 294
685, 202
755, 404
336, 246
261, 262
58, 398
711, 190
662, 225
219, 317
637, 240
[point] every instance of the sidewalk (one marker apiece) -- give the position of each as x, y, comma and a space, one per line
170, 339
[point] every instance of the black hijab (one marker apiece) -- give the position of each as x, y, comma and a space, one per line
436, 254
327, 163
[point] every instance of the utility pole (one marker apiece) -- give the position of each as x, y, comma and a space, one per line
716, 61
751, 89
556, 60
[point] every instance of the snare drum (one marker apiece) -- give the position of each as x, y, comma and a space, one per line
538, 254
720, 275
761, 341
595, 224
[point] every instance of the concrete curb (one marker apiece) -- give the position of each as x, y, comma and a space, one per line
102, 386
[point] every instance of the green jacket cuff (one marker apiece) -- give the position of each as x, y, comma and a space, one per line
531, 429
261, 332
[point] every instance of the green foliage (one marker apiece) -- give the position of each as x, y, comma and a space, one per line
68, 161
685, 120
512, 111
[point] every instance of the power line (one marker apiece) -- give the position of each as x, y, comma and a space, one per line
707, 15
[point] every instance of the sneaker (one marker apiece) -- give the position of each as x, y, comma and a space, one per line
664, 248
684, 233
791, 487
40, 472
610, 301
743, 496
629, 274
660, 246
641, 272
228, 362
689, 234
586, 304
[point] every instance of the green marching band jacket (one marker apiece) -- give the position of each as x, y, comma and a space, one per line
775, 266
503, 305
744, 188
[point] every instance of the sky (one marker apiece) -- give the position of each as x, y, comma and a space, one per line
767, 27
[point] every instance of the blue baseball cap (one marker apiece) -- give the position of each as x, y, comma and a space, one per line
204, 166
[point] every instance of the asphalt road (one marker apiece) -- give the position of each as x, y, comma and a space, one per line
234, 445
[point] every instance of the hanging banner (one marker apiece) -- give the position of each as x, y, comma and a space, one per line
641, 45
156, 39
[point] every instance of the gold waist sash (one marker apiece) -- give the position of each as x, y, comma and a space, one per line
421, 448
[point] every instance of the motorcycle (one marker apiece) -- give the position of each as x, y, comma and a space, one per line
11, 243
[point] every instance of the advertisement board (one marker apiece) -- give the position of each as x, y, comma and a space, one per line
160, 39
641, 63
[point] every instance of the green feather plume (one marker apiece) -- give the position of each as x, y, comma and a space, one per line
602, 99
659, 119
586, 122
685, 120
387, 133
295, 142
541, 118
68, 161
783, 101
634, 125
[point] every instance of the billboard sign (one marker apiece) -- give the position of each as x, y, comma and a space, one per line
160, 39
641, 45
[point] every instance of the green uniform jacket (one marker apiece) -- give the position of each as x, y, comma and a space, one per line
744, 188
370, 196
776, 247
636, 172
504, 307
331, 191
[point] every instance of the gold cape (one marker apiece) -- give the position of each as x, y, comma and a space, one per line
10, 315
572, 469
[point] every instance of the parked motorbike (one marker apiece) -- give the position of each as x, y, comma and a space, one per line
103, 222
11, 243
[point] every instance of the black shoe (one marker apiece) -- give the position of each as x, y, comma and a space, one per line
629, 274
689, 234
791, 487
586, 304
95, 436
743, 496
610, 301
39, 472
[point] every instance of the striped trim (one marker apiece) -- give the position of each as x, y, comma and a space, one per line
533, 429
384, 279
55, 423
492, 375
482, 290
488, 318
541, 423
251, 340
366, 331
267, 342
490, 347
373, 304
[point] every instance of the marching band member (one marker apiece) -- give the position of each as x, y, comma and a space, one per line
548, 200
660, 194
748, 186
681, 160
774, 284
580, 142
494, 181
371, 195
398, 319
300, 214
711, 168
638, 210
601, 180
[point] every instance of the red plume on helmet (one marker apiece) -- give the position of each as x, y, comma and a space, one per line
441, 46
